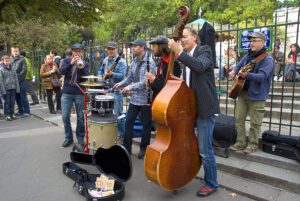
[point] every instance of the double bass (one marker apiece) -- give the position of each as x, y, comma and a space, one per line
172, 160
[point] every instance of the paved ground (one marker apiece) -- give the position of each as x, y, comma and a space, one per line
31, 168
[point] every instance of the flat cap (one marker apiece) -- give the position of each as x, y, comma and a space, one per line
76, 46
112, 44
159, 40
257, 34
140, 42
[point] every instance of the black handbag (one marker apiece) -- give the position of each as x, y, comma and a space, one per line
55, 82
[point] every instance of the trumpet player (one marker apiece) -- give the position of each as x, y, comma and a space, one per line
73, 69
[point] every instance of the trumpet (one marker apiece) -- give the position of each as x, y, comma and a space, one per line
80, 64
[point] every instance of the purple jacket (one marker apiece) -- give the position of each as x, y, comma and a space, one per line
66, 70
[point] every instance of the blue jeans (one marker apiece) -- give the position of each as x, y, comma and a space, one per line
67, 101
205, 129
118, 110
9, 102
21, 98
132, 113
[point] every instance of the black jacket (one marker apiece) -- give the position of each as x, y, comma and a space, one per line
159, 81
202, 80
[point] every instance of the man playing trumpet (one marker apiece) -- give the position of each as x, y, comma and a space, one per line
73, 71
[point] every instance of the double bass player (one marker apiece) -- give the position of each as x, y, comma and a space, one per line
199, 76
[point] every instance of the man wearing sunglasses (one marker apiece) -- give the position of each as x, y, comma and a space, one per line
252, 99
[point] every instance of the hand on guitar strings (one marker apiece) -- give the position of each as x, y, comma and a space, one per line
243, 75
175, 46
108, 73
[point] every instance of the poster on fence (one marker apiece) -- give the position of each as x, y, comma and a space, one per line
244, 42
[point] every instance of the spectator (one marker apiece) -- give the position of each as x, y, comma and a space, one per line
292, 67
49, 71
9, 86
18, 63
56, 58
28, 80
229, 60
278, 57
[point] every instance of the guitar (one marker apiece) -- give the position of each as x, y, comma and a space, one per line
112, 68
238, 83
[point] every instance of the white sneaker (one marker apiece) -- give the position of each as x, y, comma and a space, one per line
280, 79
275, 78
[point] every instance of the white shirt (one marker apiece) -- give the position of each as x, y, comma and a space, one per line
188, 70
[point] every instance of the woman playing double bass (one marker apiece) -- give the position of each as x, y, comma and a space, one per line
199, 76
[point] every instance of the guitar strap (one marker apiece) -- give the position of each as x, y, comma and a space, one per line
260, 58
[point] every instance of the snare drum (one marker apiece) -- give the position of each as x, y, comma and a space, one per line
102, 131
103, 104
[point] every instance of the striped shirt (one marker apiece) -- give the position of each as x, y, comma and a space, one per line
136, 82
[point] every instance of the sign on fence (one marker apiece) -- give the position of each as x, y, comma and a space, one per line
244, 44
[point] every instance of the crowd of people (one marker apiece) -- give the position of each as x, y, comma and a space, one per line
194, 63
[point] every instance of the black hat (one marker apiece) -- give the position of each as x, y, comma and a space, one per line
140, 42
76, 46
257, 35
159, 40
112, 44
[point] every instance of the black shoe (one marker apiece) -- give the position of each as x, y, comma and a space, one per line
67, 143
141, 154
34, 103
53, 112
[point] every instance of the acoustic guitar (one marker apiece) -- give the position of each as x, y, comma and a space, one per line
239, 82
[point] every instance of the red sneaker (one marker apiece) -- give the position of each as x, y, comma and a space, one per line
205, 191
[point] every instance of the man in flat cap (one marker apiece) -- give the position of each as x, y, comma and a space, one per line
253, 97
114, 69
159, 47
135, 82
71, 94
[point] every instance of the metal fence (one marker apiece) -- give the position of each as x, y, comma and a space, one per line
283, 106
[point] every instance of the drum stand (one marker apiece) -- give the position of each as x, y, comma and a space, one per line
85, 146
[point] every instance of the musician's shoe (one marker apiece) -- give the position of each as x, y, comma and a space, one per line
249, 149
236, 147
141, 154
67, 143
205, 191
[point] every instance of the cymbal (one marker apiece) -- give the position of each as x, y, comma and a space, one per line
91, 77
91, 84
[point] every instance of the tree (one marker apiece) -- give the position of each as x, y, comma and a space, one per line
79, 12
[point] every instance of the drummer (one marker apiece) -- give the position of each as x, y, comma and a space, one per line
114, 76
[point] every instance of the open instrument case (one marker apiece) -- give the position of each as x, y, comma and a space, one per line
113, 162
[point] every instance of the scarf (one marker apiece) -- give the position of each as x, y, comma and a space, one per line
252, 55
162, 61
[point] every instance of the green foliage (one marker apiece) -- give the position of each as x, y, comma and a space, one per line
82, 12
36, 34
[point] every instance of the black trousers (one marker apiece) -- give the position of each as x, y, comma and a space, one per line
146, 119
49, 93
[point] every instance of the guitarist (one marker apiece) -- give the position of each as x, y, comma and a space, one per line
159, 47
253, 97
199, 76
114, 75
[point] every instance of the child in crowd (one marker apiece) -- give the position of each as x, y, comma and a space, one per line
9, 86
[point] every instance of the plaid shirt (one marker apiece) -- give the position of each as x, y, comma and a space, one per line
137, 83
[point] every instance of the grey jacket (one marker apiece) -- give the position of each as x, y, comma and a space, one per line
20, 66
8, 80
202, 80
